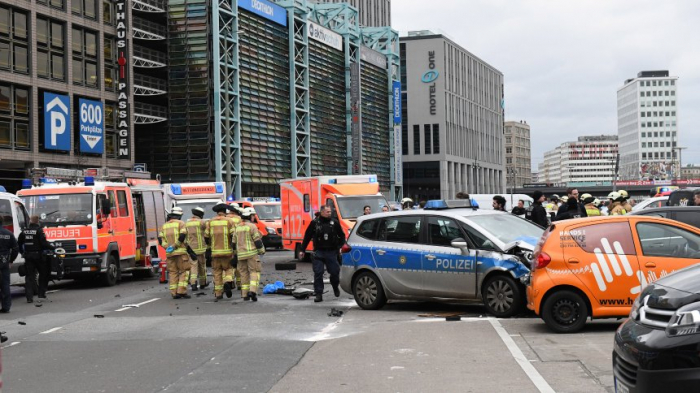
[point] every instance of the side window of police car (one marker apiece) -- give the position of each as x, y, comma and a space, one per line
442, 231
368, 229
479, 241
402, 229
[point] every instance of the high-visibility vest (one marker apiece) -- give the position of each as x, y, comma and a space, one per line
246, 235
220, 231
592, 211
170, 233
195, 235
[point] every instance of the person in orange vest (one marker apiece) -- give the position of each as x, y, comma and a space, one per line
219, 234
173, 237
195, 239
248, 243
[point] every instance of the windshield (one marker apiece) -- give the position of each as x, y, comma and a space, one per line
207, 206
61, 209
508, 228
353, 207
271, 211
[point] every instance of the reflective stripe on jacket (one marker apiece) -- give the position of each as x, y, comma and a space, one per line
246, 235
195, 235
169, 233
220, 232
592, 211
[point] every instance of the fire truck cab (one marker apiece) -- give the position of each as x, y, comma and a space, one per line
347, 196
268, 219
106, 228
190, 195
15, 218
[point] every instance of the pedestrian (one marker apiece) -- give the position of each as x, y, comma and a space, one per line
499, 203
573, 210
520, 209
462, 195
572, 192
219, 232
248, 244
9, 249
196, 226
422, 204
173, 237
406, 203
696, 197
33, 241
385, 209
536, 213
328, 237
589, 203
367, 210
616, 208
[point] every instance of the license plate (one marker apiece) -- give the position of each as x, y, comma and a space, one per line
620, 387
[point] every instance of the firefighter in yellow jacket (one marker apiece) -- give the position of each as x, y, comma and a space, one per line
173, 237
219, 234
195, 239
248, 243
234, 213
616, 208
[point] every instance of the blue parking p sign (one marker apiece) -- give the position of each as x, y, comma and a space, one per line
91, 126
56, 122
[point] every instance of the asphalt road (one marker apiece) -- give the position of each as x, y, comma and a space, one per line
85, 339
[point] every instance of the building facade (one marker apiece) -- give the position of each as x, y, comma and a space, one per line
590, 159
647, 112
518, 160
372, 13
452, 129
690, 172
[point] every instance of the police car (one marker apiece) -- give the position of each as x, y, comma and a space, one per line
448, 251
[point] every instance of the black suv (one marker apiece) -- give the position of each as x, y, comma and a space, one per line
686, 214
658, 348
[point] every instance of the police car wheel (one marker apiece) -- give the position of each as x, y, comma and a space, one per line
565, 312
368, 291
503, 297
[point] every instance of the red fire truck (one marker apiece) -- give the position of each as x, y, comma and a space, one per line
106, 228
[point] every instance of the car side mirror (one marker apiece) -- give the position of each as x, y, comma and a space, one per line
459, 243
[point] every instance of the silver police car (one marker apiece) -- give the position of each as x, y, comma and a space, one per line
448, 251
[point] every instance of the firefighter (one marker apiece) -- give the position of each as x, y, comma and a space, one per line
615, 208
589, 203
219, 235
234, 213
195, 239
173, 237
625, 201
33, 241
248, 243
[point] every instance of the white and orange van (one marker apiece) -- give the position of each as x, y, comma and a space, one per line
190, 195
596, 267
347, 196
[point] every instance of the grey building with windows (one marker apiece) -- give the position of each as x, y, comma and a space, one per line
452, 128
372, 13
86, 52
518, 160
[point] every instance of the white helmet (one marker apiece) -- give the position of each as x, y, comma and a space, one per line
624, 194
234, 205
176, 211
614, 195
247, 212
406, 200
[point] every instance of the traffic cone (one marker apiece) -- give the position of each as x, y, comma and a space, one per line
163, 266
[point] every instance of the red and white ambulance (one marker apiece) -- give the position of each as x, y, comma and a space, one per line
190, 195
106, 228
347, 196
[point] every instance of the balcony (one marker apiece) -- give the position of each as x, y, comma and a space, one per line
146, 30
149, 58
148, 5
149, 114
149, 86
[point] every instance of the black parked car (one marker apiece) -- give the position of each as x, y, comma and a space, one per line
658, 348
686, 214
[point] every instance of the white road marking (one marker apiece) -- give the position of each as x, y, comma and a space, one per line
531, 372
12, 344
51, 330
325, 333
130, 306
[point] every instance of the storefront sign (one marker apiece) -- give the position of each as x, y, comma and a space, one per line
325, 36
356, 119
123, 119
396, 92
56, 122
91, 128
398, 159
431, 76
266, 9
372, 57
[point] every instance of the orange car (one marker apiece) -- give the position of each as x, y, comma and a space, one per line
596, 267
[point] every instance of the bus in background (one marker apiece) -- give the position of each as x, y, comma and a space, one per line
268, 218
190, 195
347, 196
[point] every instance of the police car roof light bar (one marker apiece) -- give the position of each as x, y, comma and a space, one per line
440, 204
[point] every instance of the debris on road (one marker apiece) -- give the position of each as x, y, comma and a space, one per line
117, 295
201, 294
98, 316
22, 323
335, 313
38, 305
3, 337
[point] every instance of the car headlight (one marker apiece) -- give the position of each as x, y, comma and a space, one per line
271, 231
634, 312
685, 321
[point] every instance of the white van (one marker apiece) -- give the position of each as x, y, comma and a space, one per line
12, 207
485, 201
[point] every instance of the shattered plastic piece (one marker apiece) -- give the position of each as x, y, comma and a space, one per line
335, 313
22, 323
38, 305
98, 316
117, 295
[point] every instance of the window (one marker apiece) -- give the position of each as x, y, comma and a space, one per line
307, 203
85, 8
14, 52
667, 241
416, 139
108, 12
59, 4
601, 236
402, 229
22, 216
442, 231
368, 229
436, 139
426, 134
110, 120
14, 117
50, 49
644, 144
123, 206
85, 58
110, 63
479, 241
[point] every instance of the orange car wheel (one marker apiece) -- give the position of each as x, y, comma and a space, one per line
565, 311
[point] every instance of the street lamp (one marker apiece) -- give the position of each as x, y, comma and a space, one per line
512, 173
476, 167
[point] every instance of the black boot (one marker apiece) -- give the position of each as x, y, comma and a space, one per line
185, 296
194, 287
202, 286
228, 290
336, 291
253, 296
319, 298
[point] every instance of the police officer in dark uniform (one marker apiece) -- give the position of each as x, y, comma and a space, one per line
33, 241
8, 253
328, 237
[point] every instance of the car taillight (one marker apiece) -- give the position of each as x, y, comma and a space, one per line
542, 260
345, 249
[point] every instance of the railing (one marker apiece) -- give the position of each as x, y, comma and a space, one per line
155, 29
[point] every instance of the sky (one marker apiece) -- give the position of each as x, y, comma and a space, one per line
563, 61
